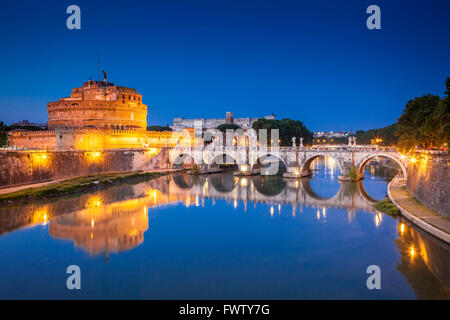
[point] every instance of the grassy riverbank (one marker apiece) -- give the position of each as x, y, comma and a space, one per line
387, 206
73, 186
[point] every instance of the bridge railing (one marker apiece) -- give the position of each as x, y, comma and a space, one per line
334, 148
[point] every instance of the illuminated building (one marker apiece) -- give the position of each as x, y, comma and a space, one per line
96, 116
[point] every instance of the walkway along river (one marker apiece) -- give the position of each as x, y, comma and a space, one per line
220, 236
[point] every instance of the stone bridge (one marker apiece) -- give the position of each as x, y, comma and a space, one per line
295, 159
295, 193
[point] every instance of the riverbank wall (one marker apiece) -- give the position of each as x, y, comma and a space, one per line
428, 181
28, 167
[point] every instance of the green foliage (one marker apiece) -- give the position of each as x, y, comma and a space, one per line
159, 128
75, 185
387, 206
416, 125
3, 136
388, 134
225, 126
288, 128
353, 173
425, 122
195, 169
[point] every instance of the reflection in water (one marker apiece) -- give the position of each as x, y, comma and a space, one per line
424, 261
115, 219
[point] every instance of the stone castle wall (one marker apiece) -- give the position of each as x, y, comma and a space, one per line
45, 139
26, 167
96, 139
428, 181
99, 104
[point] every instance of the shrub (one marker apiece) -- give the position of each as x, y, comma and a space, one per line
353, 174
387, 206
196, 169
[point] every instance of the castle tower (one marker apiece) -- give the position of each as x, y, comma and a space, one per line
229, 117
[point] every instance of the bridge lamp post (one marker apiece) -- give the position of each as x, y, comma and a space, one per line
244, 168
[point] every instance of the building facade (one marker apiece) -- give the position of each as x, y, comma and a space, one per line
245, 123
99, 104
96, 116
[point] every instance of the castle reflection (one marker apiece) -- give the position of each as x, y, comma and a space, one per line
115, 219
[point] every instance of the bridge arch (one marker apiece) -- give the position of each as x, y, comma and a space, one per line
183, 181
178, 159
223, 184
269, 186
307, 188
305, 168
265, 156
212, 162
396, 159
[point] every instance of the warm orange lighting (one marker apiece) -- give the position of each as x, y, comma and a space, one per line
244, 167
403, 157
413, 160
412, 252
152, 152
94, 202
39, 160
402, 228
93, 156
378, 219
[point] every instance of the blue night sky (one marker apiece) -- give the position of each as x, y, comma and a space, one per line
309, 60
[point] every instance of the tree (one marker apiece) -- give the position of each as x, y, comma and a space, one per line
159, 128
288, 128
226, 126
386, 134
441, 118
3, 136
424, 123
417, 126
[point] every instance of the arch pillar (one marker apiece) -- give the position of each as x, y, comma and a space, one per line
367, 158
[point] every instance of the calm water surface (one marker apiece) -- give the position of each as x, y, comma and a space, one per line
219, 236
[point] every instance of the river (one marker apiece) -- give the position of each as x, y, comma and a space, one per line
222, 237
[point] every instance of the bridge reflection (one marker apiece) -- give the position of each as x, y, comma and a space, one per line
116, 219
270, 190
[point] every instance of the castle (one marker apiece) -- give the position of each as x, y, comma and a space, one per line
97, 116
